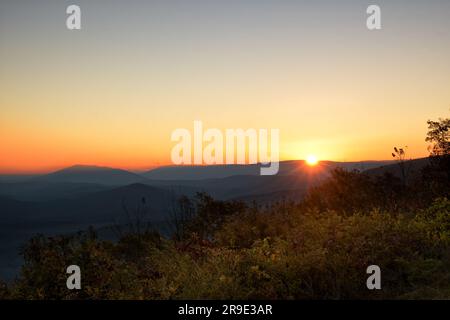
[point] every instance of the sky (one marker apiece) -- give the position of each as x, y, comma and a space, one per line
112, 93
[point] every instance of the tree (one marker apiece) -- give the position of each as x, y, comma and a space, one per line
182, 215
400, 154
438, 173
439, 136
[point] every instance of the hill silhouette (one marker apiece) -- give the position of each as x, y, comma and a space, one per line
223, 171
91, 174
412, 168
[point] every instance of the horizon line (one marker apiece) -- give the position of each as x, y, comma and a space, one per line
144, 169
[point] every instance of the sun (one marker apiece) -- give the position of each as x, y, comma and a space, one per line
311, 160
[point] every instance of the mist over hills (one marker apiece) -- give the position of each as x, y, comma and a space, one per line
42, 190
12, 208
110, 205
101, 206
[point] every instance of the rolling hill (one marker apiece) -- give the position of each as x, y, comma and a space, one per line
91, 174
412, 168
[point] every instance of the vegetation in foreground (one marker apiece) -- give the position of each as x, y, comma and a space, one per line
318, 248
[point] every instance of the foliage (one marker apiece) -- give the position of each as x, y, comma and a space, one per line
439, 135
437, 175
275, 253
348, 192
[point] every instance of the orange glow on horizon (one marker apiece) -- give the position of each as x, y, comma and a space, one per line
111, 96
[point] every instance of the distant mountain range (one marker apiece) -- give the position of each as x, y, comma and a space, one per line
97, 194
222, 181
223, 171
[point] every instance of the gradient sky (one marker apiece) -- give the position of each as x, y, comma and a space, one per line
112, 93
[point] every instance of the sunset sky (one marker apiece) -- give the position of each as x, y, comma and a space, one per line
112, 93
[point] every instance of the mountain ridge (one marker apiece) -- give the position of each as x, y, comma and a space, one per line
91, 174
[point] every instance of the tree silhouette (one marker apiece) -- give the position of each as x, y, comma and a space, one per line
439, 171
400, 154
439, 136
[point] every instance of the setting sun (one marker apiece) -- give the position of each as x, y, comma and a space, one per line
311, 160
